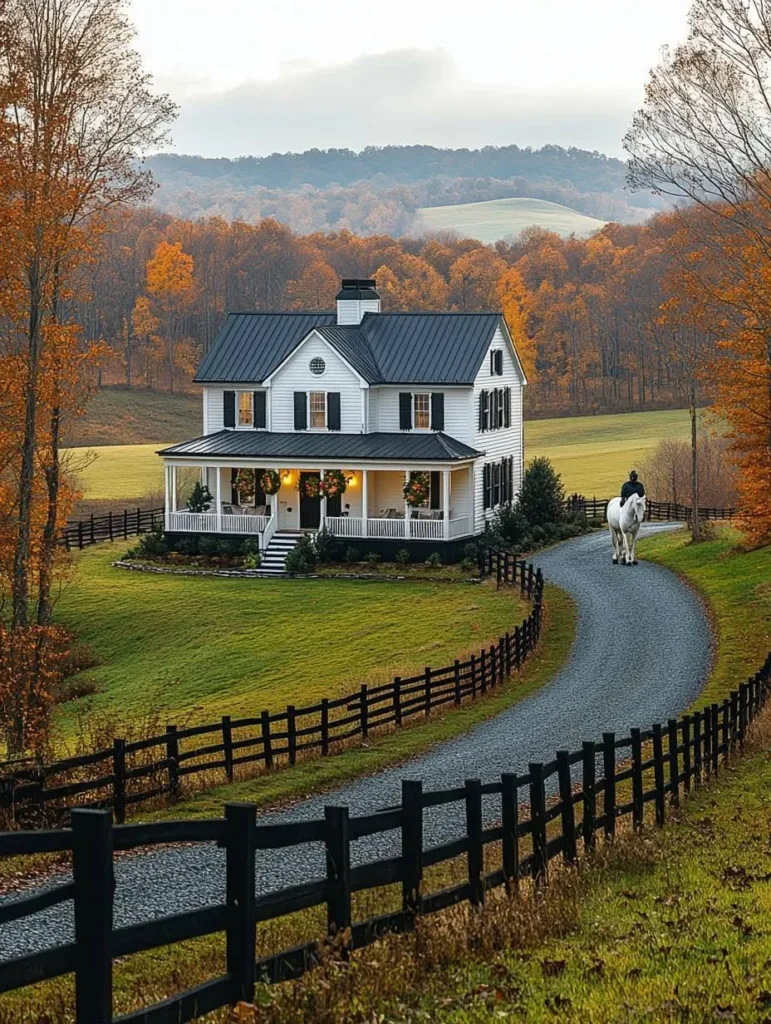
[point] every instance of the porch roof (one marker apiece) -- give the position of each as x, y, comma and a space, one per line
262, 444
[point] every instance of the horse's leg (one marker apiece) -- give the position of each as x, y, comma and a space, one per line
634, 548
627, 553
616, 545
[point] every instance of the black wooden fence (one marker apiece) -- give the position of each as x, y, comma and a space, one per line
643, 767
82, 533
129, 773
661, 511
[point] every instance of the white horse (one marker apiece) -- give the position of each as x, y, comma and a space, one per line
624, 522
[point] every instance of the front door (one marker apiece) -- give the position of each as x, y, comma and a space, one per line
310, 508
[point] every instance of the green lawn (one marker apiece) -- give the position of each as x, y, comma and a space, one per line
198, 648
499, 218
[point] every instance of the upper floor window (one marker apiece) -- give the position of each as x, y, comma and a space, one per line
245, 409
495, 409
318, 410
421, 418
496, 362
317, 366
421, 410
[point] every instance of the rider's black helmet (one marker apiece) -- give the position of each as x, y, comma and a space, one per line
633, 475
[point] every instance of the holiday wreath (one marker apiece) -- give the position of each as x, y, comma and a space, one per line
310, 486
333, 483
270, 481
417, 490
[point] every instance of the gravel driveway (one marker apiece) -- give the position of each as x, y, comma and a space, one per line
642, 655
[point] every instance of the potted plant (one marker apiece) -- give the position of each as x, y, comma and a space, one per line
200, 498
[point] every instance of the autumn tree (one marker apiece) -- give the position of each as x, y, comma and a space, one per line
514, 301
170, 283
76, 111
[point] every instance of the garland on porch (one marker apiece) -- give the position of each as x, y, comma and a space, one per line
270, 481
417, 490
244, 484
333, 483
310, 487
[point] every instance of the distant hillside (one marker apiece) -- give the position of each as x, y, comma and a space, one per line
500, 218
380, 190
118, 415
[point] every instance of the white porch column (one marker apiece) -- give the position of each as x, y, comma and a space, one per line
167, 498
406, 509
173, 488
446, 502
218, 497
472, 493
364, 502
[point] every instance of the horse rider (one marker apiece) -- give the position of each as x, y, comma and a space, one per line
632, 486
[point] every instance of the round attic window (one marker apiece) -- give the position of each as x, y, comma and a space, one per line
317, 366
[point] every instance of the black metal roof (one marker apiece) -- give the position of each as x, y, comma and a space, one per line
356, 288
261, 444
386, 348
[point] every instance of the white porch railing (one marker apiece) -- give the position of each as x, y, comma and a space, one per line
210, 522
267, 534
393, 529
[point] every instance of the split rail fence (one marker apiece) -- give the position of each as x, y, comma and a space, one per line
593, 784
661, 511
82, 533
130, 773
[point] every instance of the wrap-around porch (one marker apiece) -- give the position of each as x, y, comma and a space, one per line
372, 505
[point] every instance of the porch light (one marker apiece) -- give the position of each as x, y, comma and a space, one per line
351, 480
286, 476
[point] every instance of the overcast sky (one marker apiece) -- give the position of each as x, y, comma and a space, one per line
260, 76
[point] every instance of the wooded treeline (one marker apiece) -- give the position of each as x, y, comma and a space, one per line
380, 189
586, 312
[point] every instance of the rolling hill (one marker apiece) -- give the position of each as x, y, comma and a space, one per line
500, 218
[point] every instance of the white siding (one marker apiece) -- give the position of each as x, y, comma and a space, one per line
295, 376
386, 490
497, 444
214, 405
351, 311
459, 492
458, 410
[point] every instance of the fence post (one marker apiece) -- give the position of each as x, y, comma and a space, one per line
456, 670
80, 534
227, 746
93, 535
715, 737
267, 744
483, 670
658, 774
707, 739
697, 747
125, 524
687, 753
674, 770
338, 855
517, 647
742, 713
398, 701
139, 522
569, 852
427, 690
412, 845
475, 852
109, 524
609, 788
734, 719
590, 797
363, 709
530, 579
172, 756
538, 823
119, 780
501, 660
324, 726
725, 727
92, 871
637, 780
291, 733
240, 850
510, 841
493, 663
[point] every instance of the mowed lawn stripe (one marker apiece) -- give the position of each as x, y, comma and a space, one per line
200, 647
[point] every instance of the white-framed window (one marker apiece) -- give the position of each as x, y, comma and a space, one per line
421, 411
317, 405
245, 411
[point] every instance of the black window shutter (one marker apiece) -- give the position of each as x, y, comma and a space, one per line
499, 362
486, 485
492, 362
507, 407
260, 413
435, 500
234, 495
333, 410
405, 410
437, 410
300, 410
229, 408
481, 410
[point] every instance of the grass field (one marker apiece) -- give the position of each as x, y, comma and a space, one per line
137, 416
499, 218
200, 648
593, 454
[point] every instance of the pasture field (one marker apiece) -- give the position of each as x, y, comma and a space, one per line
593, 454
118, 415
499, 218
197, 648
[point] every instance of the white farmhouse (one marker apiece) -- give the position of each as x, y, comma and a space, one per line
376, 401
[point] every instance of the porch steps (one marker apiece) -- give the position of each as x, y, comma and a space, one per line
273, 557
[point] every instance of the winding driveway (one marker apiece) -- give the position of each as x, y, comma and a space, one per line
642, 655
